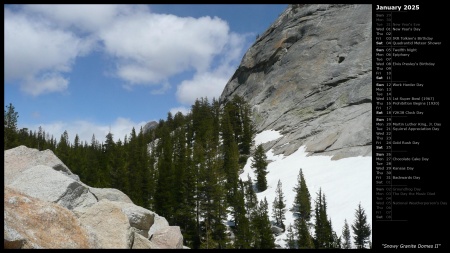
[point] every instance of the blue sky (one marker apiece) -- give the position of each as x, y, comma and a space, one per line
90, 68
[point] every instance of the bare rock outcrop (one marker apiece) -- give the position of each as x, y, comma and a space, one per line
310, 77
34, 223
21, 158
168, 238
47, 206
110, 225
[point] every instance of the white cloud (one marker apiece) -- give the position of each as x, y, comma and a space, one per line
86, 17
147, 48
202, 85
36, 53
119, 128
211, 83
182, 109
49, 82
150, 48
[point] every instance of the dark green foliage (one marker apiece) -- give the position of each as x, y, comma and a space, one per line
279, 206
10, 127
302, 201
259, 164
305, 240
261, 227
361, 228
323, 230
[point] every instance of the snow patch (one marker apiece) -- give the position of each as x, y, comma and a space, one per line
266, 136
345, 183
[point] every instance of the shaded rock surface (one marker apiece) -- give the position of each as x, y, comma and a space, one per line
45, 183
168, 238
310, 77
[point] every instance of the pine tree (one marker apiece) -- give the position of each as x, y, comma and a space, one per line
259, 163
304, 238
361, 228
10, 127
347, 244
290, 238
302, 201
279, 206
322, 227
263, 234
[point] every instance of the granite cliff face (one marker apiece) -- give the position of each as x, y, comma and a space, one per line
310, 77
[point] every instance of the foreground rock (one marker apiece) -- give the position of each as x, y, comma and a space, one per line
45, 183
33, 223
168, 238
50, 208
310, 77
110, 225
22, 158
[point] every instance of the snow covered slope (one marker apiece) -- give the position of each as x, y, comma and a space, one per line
345, 182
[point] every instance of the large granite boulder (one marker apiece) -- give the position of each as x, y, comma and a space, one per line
309, 75
45, 183
110, 194
22, 158
140, 219
158, 223
33, 223
168, 238
110, 224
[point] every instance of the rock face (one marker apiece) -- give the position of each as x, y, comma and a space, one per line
149, 126
33, 223
310, 77
47, 206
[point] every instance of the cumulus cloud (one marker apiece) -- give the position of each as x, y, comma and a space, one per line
150, 48
36, 53
47, 83
85, 129
182, 109
146, 48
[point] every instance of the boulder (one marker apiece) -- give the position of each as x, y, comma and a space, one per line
168, 238
22, 158
110, 194
110, 224
34, 223
159, 223
45, 183
141, 242
276, 230
140, 219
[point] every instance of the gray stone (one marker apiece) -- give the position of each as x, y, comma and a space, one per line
110, 194
45, 183
110, 225
159, 223
140, 242
276, 230
31, 223
22, 158
140, 219
149, 126
310, 77
168, 238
